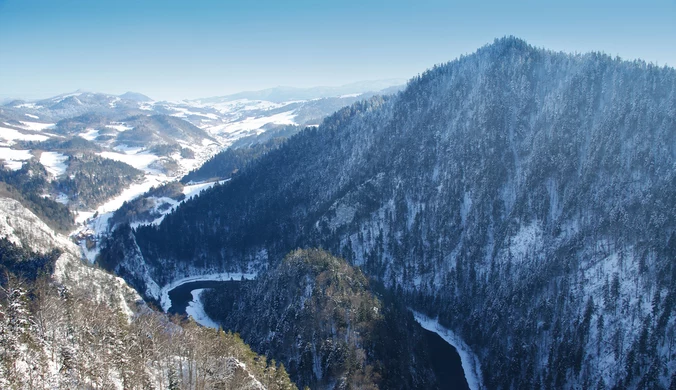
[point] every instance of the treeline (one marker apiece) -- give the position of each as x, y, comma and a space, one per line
68, 146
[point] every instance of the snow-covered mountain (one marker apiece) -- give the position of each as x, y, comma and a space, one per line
287, 94
525, 197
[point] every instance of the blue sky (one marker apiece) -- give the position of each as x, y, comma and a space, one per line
186, 49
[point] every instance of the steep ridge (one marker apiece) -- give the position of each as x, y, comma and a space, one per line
526, 197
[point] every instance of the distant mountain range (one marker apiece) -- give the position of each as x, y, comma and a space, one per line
283, 94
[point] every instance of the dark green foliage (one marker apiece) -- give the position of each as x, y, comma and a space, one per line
91, 180
229, 162
72, 145
23, 263
81, 123
327, 325
28, 185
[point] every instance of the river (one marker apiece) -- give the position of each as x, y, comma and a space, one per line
446, 362
181, 296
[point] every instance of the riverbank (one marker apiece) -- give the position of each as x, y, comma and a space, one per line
470, 363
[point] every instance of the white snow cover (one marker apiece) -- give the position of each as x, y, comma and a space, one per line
14, 158
12, 135
165, 302
526, 241
120, 126
126, 149
106, 210
253, 123
32, 116
27, 105
195, 310
136, 160
54, 163
470, 363
184, 113
240, 105
36, 125
90, 134
193, 189
20, 226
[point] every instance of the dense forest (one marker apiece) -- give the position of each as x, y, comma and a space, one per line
319, 316
525, 196
28, 186
91, 180
228, 162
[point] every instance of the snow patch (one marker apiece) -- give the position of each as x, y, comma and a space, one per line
137, 160
105, 211
36, 126
119, 126
528, 240
13, 135
195, 310
54, 163
14, 158
253, 123
90, 134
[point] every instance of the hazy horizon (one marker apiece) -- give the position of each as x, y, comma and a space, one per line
391, 82
173, 50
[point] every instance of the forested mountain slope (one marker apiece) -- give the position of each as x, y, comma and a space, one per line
66, 325
527, 197
323, 320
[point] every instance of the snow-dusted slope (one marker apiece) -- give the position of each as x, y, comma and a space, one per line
88, 330
23, 228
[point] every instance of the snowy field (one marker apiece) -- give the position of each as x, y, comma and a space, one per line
15, 135
250, 124
137, 160
13, 158
55, 163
